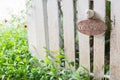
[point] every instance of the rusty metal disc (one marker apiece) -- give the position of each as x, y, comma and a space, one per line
92, 27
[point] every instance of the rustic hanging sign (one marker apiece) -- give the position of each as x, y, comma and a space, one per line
92, 27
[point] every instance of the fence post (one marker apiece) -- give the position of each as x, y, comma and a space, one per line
99, 42
84, 46
115, 41
53, 23
37, 29
68, 25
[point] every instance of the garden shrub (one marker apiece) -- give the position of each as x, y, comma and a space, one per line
16, 63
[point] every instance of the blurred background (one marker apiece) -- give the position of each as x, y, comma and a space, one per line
11, 7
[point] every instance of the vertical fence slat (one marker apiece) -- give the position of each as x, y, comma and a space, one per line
40, 25
40, 13
68, 23
53, 24
115, 41
84, 46
31, 29
99, 42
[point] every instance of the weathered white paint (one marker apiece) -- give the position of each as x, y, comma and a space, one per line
53, 24
38, 29
31, 30
115, 41
68, 22
38, 33
99, 42
84, 46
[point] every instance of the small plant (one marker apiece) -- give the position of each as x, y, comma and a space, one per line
16, 63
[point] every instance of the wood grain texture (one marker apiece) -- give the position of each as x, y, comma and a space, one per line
40, 25
68, 24
84, 46
115, 41
53, 24
31, 29
99, 42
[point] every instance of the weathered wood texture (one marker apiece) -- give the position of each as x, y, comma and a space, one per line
68, 25
31, 29
84, 46
43, 31
53, 23
99, 42
37, 27
115, 41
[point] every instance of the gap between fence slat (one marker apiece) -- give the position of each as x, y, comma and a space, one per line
115, 41
99, 43
84, 45
68, 27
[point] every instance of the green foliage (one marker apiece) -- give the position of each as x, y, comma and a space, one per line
16, 63
13, 52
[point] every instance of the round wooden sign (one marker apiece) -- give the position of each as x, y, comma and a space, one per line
92, 27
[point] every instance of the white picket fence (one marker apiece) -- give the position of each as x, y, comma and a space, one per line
44, 28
